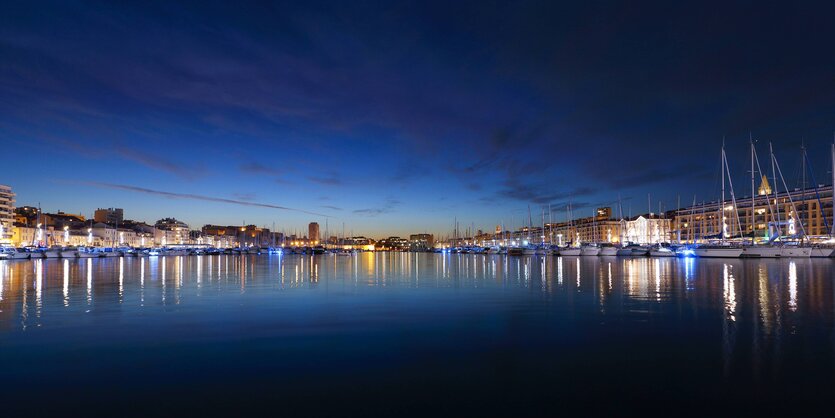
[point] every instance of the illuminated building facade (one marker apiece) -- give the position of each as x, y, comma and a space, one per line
421, 242
110, 216
7, 213
313, 233
765, 217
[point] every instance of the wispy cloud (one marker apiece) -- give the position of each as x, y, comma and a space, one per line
331, 207
174, 195
159, 163
387, 207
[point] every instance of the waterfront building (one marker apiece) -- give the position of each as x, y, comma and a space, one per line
392, 244
786, 215
601, 228
110, 216
421, 242
170, 231
7, 213
313, 232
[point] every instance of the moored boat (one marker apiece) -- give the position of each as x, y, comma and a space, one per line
608, 250
822, 252
761, 251
795, 250
662, 250
590, 250
718, 251
570, 251
69, 252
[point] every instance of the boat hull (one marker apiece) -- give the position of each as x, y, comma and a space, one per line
761, 252
590, 251
796, 252
662, 253
718, 252
69, 254
608, 251
822, 252
570, 251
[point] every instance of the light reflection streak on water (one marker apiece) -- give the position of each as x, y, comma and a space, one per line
200, 271
763, 298
38, 287
66, 282
89, 281
610, 275
657, 279
162, 281
142, 282
729, 292
178, 278
559, 271
792, 286
578, 273
688, 273
121, 279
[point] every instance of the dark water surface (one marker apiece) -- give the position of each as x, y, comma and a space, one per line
415, 334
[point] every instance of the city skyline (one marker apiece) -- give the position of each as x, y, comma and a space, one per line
401, 118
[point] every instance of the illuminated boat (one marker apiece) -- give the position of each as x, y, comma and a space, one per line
633, 250
661, 250
822, 252
795, 250
570, 251
761, 251
87, 252
608, 250
590, 250
69, 252
717, 251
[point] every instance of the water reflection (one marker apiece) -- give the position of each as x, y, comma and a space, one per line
764, 311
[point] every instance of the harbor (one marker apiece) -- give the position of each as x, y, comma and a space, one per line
730, 330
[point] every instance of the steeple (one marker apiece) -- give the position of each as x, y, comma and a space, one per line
765, 188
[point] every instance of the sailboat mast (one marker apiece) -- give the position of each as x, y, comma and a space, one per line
833, 184
722, 205
753, 192
774, 179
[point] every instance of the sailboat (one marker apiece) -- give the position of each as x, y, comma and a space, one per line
723, 249
574, 249
755, 250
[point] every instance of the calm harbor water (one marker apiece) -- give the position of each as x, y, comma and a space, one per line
400, 333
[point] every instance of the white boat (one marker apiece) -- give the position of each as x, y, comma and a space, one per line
570, 251
53, 252
822, 252
87, 252
633, 250
608, 250
6, 253
590, 250
110, 252
21, 254
69, 252
718, 251
662, 251
761, 251
793, 250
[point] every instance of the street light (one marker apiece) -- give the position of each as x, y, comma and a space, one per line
66, 234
